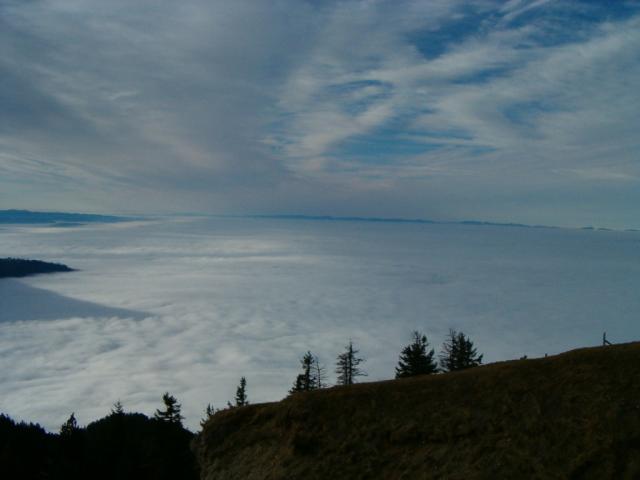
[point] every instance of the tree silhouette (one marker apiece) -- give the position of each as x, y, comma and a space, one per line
70, 426
171, 412
458, 353
117, 408
320, 373
311, 376
123, 447
208, 413
347, 366
241, 394
415, 360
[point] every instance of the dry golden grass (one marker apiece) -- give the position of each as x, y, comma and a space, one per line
575, 415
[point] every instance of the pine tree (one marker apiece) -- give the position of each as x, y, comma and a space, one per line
70, 426
208, 413
307, 380
415, 360
347, 366
117, 408
458, 353
171, 413
241, 393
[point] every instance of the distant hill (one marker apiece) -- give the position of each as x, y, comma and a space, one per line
573, 416
477, 223
19, 267
27, 217
330, 218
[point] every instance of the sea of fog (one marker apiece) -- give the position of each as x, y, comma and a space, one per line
188, 305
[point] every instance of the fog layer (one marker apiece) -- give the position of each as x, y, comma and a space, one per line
188, 305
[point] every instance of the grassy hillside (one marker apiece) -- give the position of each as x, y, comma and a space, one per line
575, 415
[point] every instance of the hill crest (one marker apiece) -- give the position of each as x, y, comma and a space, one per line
574, 415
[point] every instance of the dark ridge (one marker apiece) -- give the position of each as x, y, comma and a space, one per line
29, 217
573, 416
19, 267
67, 224
330, 218
481, 223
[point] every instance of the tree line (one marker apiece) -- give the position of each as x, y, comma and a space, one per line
119, 446
131, 445
458, 353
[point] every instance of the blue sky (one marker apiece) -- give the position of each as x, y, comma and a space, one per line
523, 111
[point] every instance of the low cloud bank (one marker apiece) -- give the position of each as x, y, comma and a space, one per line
190, 305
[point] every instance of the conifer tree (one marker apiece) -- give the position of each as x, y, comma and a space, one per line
415, 360
298, 384
208, 413
171, 412
117, 408
306, 380
241, 393
347, 366
70, 426
458, 353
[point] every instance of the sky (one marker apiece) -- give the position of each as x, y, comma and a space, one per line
189, 305
519, 110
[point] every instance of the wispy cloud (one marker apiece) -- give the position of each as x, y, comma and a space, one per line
238, 107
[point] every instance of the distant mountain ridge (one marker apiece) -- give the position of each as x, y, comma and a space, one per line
29, 217
65, 219
331, 218
426, 221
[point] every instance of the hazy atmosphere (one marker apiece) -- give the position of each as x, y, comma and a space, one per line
515, 110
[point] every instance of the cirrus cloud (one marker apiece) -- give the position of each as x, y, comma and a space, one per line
435, 109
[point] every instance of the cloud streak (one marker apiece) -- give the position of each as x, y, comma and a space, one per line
410, 108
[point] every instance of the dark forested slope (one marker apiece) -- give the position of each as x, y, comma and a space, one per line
18, 267
576, 415
126, 446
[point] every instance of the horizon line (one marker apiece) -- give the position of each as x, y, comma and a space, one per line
334, 218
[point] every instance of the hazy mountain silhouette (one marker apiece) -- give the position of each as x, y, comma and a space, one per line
20, 301
331, 218
67, 219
